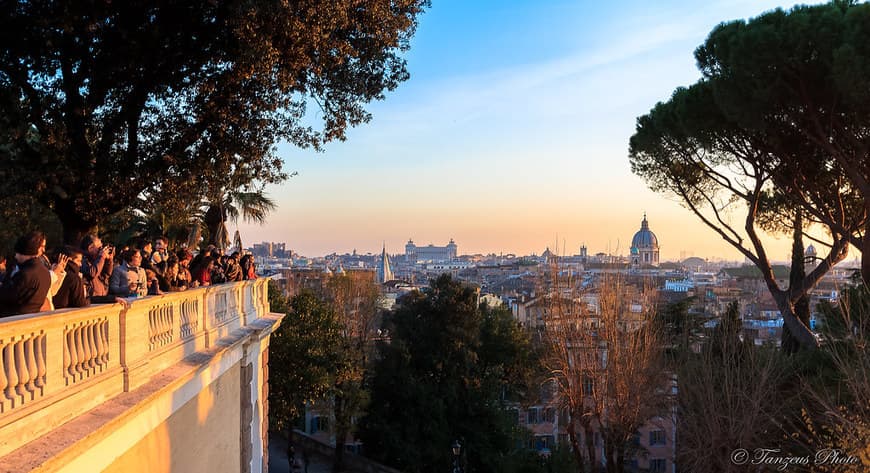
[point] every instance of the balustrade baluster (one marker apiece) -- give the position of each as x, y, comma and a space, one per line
167, 329
151, 329
80, 352
11, 373
30, 362
104, 336
39, 345
3, 381
97, 330
91, 345
161, 326
67, 353
21, 368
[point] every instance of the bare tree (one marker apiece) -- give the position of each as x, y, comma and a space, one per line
730, 398
606, 358
354, 297
836, 421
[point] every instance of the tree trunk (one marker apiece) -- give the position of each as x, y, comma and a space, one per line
799, 330
865, 253
620, 459
609, 456
575, 443
74, 226
213, 219
341, 429
590, 447
797, 273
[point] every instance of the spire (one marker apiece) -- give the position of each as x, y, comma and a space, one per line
644, 225
384, 272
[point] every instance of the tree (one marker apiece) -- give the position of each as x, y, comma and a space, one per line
691, 148
305, 356
609, 366
102, 102
354, 298
680, 327
837, 417
730, 396
798, 80
251, 206
444, 375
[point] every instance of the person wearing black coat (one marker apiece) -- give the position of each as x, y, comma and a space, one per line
27, 289
72, 289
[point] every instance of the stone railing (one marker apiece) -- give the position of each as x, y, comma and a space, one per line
57, 365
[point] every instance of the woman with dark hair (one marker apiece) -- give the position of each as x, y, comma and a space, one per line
27, 287
182, 279
248, 269
202, 273
233, 271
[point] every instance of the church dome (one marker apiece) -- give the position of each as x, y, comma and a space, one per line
644, 238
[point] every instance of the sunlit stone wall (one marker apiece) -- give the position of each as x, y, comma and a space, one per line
152, 386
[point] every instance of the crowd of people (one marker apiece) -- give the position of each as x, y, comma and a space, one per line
35, 280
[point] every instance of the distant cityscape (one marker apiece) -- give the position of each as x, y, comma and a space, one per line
512, 280
522, 282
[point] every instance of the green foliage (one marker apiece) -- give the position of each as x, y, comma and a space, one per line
736, 395
732, 395
725, 340
277, 300
850, 318
21, 214
523, 460
252, 206
446, 374
680, 326
102, 102
777, 123
305, 357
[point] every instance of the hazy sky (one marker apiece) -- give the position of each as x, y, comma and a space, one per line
511, 135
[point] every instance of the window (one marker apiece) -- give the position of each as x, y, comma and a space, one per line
515, 414
544, 442
658, 465
657, 437
319, 423
588, 384
549, 415
534, 418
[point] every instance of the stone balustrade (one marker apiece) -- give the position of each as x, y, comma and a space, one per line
57, 365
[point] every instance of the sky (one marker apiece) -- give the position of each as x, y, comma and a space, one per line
511, 136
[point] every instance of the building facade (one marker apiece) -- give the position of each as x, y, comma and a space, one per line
430, 253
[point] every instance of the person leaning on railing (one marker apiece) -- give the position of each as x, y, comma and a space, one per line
129, 278
97, 268
202, 273
72, 292
26, 289
182, 279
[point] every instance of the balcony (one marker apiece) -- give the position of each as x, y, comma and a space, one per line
115, 360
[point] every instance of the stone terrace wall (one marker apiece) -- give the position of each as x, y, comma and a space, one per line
57, 366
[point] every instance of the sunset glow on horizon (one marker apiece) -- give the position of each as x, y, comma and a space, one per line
511, 136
